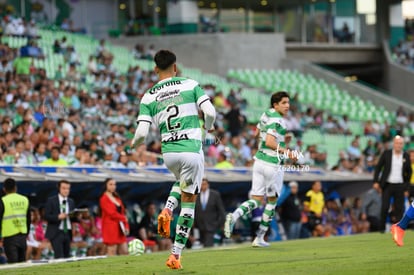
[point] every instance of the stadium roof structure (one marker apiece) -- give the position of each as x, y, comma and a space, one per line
266, 5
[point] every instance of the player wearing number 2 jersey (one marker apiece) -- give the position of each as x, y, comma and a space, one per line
172, 106
267, 173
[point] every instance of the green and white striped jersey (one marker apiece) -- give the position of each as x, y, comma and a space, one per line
271, 123
172, 105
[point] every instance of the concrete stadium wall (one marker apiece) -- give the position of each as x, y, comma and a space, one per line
217, 53
399, 80
335, 53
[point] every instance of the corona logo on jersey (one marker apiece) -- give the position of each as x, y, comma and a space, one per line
166, 84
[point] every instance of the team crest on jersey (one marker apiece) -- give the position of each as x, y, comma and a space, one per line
264, 120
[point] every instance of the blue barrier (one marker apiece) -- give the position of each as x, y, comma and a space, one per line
153, 183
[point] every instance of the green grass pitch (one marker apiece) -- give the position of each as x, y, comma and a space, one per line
373, 253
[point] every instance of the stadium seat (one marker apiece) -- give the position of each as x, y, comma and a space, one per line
256, 86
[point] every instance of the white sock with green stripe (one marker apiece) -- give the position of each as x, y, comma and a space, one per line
174, 197
267, 216
245, 208
183, 228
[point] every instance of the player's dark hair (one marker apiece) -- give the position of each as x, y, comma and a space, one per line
9, 185
164, 59
277, 97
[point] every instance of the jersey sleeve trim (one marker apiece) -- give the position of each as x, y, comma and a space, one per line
144, 118
271, 132
202, 99
207, 99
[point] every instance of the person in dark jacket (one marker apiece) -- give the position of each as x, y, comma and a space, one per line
210, 213
393, 173
59, 227
290, 213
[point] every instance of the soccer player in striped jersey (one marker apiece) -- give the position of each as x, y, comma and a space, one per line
267, 173
172, 106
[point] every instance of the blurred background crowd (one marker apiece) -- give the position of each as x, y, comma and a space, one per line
403, 52
51, 120
41, 114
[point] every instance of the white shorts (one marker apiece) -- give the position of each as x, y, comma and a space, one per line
188, 169
267, 179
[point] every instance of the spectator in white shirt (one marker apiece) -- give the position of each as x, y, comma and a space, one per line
353, 150
31, 30
20, 27
293, 124
11, 27
330, 126
343, 124
92, 66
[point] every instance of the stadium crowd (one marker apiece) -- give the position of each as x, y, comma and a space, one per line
39, 115
403, 52
50, 121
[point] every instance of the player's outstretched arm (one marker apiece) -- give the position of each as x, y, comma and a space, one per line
272, 143
209, 114
140, 133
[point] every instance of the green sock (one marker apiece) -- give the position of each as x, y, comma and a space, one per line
245, 208
267, 216
183, 228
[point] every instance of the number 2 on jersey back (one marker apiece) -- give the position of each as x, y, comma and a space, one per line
173, 112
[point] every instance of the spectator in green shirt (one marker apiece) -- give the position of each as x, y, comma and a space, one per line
22, 65
222, 162
55, 160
